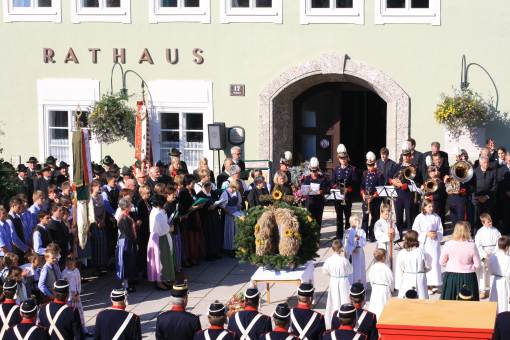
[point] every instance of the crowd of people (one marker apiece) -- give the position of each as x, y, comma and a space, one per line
152, 222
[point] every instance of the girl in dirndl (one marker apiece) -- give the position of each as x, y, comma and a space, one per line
412, 266
125, 252
339, 270
160, 254
430, 233
355, 241
231, 201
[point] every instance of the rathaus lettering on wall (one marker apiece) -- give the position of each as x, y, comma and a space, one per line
171, 56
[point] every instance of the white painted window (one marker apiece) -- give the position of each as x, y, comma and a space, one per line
182, 111
101, 11
251, 11
59, 100
32, 10
332, 11
408, 12
179, 11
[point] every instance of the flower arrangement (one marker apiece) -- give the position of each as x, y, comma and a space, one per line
112, 119
235, 303
464, 110
278, 236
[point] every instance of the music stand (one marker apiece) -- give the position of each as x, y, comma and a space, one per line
390, 192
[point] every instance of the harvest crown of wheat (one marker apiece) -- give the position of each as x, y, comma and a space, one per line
278, 235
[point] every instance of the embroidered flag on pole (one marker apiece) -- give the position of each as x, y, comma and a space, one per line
143, 145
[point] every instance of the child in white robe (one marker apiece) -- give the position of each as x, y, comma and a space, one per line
355, 241
486, 240
430, 233
339, 270
412, 265
499, 269
72, 275
383, 229
380, 277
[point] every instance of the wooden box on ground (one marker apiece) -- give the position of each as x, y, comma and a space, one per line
425, 319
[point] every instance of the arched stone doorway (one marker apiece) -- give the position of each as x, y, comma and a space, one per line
276, 100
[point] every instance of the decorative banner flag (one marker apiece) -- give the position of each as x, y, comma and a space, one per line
143, 146
82, 176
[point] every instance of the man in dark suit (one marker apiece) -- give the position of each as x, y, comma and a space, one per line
385, 165
485, 186
24, 183
235, 154
32, 167
44, 181
59, 232
51, 162
63, 173
504, 194
435, 148
490, 144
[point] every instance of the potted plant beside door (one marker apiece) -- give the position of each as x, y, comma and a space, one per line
112, 120
465, 115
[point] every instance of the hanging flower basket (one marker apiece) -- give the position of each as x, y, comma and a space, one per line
112, 119
464, 111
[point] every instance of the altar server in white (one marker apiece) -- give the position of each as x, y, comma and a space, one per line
355, 241
339, 270
430, 233
383, 230
499, 269
380, 277
412, 265
486, 240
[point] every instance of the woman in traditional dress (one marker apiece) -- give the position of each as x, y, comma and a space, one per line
499, 269
412, 265
231, 201
211, 222
98, 237
381, 280
355, 241
126, 247
318, 185
160, 254
461, 261
339, 270
191, 227
171, 211
430, 233
143, 212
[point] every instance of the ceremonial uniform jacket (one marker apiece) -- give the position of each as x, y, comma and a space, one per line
387, 169
301, 316
278, 334
345, 175
23, 328
177, 324
213, 333
10, 311
502, 328
68, 323
369, 181
112, 320
484, 182
366, 323
404, 191
343, 333
261, 326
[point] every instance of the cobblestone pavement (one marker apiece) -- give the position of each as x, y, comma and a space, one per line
210, 281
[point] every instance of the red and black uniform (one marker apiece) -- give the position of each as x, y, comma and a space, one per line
304, 320
22, 329
10, 312
369, 181
344, 176
343, 333
213, 333
116, 321
366, 323
244, 319
315, 203
177, 324
67, 323
278, 333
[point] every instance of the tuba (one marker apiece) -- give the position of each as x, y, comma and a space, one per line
460, 172
430, 187
409, 173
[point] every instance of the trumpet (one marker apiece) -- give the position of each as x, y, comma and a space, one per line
430, 186
409, 173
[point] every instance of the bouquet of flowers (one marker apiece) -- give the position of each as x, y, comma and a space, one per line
235, 304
